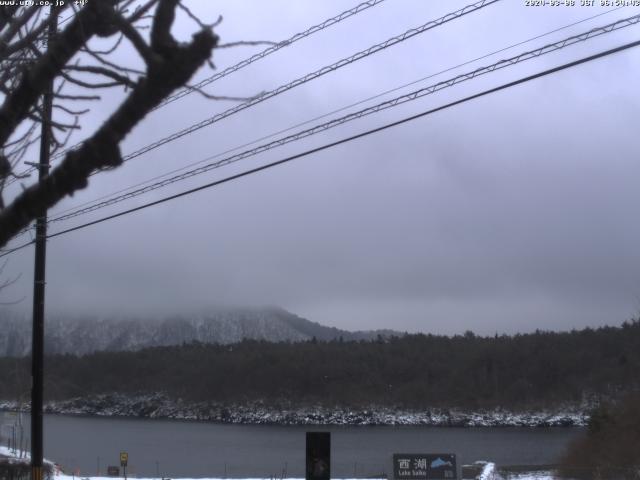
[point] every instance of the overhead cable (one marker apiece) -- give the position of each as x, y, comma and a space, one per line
342, 141
341, 109
272, 49
247, 61
402, 99
412, 32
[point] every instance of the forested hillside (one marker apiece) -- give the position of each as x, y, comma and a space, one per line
521, 371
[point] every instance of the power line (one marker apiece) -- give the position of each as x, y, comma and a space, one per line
15, 249
384, 105
312, 76
247, 61
324, 70
347, 139
402, 99
360, 102
272, 49
581, 37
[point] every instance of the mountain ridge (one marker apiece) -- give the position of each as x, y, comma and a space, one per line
83, 334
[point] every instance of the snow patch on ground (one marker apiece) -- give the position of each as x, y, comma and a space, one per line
491, 472
532, 476
19, 457
14, 456
519, 477
488, 472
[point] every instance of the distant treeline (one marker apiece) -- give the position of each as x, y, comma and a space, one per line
521, 371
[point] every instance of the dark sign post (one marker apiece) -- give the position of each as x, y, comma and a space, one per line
421, 466
318, 456
113, 471
124, 460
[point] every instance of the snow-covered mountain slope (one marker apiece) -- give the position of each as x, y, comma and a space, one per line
81, 334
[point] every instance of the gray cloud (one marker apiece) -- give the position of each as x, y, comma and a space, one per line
509, 213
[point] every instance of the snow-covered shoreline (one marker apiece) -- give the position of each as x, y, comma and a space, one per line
161, 407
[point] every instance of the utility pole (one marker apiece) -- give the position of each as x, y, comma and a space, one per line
37, 344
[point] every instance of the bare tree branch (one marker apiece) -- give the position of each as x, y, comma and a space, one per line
136, 40
34, 81
15, 24
246, 44
161, 39
196, 19
6, 14
7, 283
94, 85
121, 79
21, 138
57, 144
77, 97
32, 36
71, 112
110, 49
172, 66
141, 11
37, 117
223, 97
112, 65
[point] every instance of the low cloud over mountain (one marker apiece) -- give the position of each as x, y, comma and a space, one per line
82, 334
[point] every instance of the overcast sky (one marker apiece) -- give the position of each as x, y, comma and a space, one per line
508, 213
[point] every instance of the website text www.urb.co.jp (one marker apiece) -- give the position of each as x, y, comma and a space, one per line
41, 3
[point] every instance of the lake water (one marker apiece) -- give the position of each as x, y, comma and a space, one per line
172, 448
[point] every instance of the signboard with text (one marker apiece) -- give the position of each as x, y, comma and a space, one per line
424, 466
113, 471
124, 459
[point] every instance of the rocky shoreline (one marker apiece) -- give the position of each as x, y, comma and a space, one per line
258, 413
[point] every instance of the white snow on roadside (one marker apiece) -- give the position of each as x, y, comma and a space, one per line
18, 457
488, 472
491, 476
531, 476
69, 477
